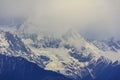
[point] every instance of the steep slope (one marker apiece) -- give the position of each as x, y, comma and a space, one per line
10, 43
109, 47
70, 55
111, 44
17, 68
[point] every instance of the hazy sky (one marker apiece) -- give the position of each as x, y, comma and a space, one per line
92, 17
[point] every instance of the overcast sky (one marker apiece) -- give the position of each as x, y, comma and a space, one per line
92, 17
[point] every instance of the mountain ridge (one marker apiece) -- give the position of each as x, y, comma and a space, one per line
71, 57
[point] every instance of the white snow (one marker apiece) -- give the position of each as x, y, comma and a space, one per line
61, 55
60, 59
113, 56
3, 43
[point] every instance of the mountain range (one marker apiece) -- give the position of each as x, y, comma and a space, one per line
69, 57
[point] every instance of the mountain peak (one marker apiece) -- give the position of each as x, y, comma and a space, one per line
11, 43
72, 33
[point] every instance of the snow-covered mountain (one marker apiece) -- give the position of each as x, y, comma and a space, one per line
70, 55
111, 44
18, 68
11, 44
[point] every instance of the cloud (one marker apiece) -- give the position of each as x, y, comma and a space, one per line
100, 17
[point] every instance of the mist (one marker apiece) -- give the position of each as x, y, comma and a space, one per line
92, 18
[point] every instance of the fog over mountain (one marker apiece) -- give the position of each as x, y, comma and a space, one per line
93, 18
59, 39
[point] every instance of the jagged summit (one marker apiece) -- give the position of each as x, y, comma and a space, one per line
70, 55
11, 43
